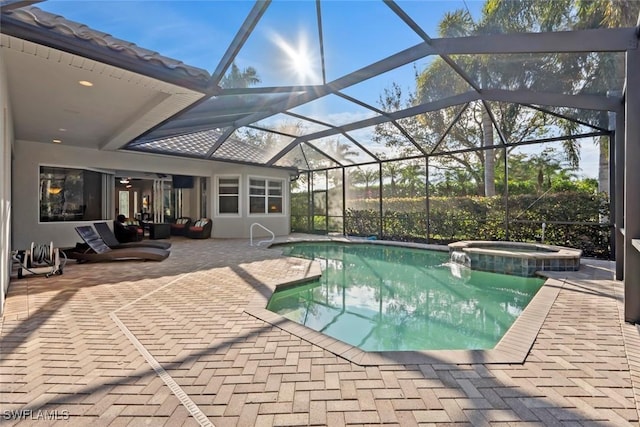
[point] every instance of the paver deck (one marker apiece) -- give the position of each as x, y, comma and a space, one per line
171, 343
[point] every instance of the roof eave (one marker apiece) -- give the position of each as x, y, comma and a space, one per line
34, 25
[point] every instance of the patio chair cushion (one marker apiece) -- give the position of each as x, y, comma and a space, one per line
126, 232
201, 229
179, 227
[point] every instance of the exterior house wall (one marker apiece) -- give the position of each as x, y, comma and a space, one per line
29, 156
240, 224
6, 143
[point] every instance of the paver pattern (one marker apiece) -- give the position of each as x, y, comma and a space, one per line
169, 343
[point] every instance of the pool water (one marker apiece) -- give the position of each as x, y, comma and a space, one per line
389, 298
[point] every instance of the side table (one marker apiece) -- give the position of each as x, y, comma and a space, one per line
159, 230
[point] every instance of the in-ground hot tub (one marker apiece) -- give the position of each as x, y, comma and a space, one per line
519, 259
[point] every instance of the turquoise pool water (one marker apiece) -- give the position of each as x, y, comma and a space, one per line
388, 298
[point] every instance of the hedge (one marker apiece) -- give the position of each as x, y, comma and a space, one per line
482, 218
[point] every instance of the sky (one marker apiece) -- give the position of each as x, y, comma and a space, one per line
198, 32
284, 46
356, 33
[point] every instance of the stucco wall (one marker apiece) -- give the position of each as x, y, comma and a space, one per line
6, 139
29, 156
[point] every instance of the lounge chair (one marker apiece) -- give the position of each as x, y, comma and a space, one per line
110, 239
102, 252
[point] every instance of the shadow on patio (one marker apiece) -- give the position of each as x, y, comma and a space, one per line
171, 343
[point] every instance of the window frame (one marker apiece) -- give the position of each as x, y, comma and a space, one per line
266, 196
218, 195
103, 205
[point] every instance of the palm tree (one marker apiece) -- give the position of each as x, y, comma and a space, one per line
365, 176
459, 24
608, 14
392, 170
585, 73
565, 72
411, 176
237, 78
340, 152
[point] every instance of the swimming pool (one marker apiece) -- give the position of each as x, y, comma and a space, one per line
389, 298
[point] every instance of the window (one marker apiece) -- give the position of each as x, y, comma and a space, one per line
265, 196
228, 195
71, 194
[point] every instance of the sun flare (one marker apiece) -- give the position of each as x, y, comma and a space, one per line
298, 59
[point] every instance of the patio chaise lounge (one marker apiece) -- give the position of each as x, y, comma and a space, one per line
110, 239
98, 250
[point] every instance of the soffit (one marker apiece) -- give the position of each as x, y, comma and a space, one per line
46, 97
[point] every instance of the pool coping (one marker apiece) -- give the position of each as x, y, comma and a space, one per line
512, 257
513, 348
510, 249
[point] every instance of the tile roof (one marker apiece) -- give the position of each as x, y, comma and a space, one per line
200, 143
35, 18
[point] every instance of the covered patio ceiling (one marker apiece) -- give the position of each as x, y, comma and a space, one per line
337, 82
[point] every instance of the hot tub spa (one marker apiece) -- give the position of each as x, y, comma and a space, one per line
515, 258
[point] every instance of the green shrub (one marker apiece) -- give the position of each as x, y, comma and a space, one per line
483, 218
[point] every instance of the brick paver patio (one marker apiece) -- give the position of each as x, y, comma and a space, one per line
170, 343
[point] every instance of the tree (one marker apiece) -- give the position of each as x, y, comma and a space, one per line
459, 24
412, 176
392, 170
565, 73
537, 173
516, 122
426, 129
610, 14
586, 73
342, 153
237, 78
364, 176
